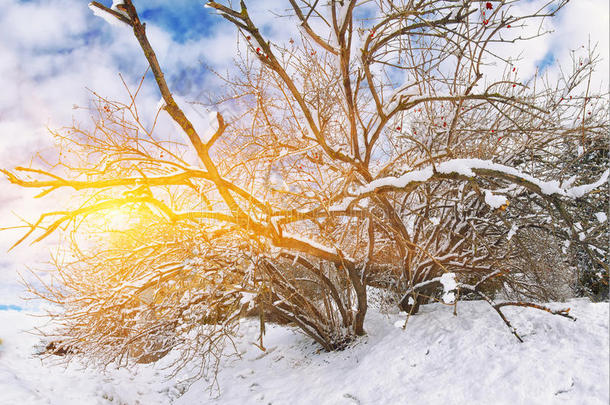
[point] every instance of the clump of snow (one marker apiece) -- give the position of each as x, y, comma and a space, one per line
115, 4
364, 202
579, 191
459, 166
402, 181
341, 207
449, 286
493, 200
569, 182
247, 298
276, 181
161, 104
601, 217
109, 18
466, 167
212, 126
512, 232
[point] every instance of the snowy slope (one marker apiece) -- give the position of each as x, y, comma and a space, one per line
438, 359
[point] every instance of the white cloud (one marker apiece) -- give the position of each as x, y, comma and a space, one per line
583, 22
42, 25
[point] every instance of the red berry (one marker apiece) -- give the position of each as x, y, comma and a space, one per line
508, 26
444, 124
488, 5
514, 85
514, 69
492, 131
258, 50
398, 128
248, 37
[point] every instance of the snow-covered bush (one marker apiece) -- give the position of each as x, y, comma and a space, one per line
379, 148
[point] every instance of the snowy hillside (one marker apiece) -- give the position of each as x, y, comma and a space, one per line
439, 358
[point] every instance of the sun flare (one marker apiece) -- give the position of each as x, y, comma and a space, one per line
119, 219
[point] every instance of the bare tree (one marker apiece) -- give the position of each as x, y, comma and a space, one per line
378, 149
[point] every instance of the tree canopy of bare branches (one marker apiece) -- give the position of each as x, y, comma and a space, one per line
379, 149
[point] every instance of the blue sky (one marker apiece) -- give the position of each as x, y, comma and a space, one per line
185, 20
51, 51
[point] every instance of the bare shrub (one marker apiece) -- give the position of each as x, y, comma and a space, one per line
375, 151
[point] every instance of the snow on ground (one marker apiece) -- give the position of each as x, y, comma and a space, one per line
26, 379
437, 359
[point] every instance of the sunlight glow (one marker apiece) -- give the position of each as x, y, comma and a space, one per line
119, 219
